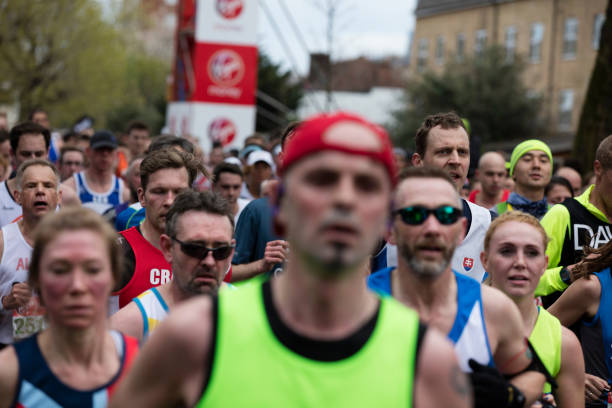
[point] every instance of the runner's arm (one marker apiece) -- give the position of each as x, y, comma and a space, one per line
128, 320
512, 355
580, 299
570, 379
9, 368
439, 381
556, 223
169, 371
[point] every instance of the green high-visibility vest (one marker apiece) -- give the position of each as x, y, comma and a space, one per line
252, 368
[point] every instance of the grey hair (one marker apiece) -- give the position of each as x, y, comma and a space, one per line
36, 162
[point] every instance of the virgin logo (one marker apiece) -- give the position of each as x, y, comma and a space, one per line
225, 68
229, 9
222, 130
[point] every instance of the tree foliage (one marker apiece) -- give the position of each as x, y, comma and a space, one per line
66, 57
485, 89
275, 83
60, 55
595, 120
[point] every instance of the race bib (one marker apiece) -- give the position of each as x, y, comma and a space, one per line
28, 319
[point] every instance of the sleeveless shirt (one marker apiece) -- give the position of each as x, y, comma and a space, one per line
272, 372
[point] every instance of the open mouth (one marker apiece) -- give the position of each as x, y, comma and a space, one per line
455, 176
40, 204
518, 278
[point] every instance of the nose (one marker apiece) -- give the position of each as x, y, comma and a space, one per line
208, 259
454, 157
519, 260
431, 225
170, 196
77, 283
345, 194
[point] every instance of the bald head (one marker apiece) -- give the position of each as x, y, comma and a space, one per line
572, 176
491, 173
492, 159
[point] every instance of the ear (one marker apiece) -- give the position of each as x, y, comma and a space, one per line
276, 204
476, 175
234, 250
165, 243
463, 231
392, 235
597, 169
59, 197
484, 260
17, 195
141, 197
417, 161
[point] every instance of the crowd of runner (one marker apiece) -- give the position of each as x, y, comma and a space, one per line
318, 267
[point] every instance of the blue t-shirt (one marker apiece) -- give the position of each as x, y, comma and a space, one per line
130, 217
253, 232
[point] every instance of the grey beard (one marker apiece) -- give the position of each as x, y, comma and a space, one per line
428, 269
425, 269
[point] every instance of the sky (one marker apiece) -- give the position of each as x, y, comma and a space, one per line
369, 28
362, 27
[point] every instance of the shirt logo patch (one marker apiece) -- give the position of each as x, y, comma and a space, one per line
468, 263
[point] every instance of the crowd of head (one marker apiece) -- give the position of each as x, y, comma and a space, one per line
372, 276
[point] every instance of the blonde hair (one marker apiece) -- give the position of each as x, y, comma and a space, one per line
73, 219
517, 216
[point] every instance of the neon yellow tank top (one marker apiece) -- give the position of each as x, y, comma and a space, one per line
251, 368
546, 340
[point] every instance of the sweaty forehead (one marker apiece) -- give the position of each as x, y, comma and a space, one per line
352, 135
440, 136
30, 140
37, 172
426, 191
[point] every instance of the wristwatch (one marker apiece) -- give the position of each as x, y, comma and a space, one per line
565, 275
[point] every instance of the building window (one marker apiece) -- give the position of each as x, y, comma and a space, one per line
460, 47
440, 50
570, 38
510, 43
535, 42
566, 104
481, 41
597, 24
422, 54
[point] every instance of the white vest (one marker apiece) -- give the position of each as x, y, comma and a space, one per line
14, 267
9, 209
466, 259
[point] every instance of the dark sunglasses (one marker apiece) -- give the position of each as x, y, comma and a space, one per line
201, 251
416, 215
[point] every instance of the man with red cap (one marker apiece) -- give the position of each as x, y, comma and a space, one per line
313, 332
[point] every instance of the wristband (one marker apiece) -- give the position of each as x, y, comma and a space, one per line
516, 399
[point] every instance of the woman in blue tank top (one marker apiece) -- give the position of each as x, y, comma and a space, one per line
588, 302
76, 361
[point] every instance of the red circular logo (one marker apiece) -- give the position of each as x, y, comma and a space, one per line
225, 68
222, 130
229, 9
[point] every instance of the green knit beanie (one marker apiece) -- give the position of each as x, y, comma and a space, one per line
527, 146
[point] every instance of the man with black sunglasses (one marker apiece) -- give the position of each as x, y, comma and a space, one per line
485, 325
198, 244
313, 335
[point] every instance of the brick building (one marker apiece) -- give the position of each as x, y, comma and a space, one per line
558, 39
